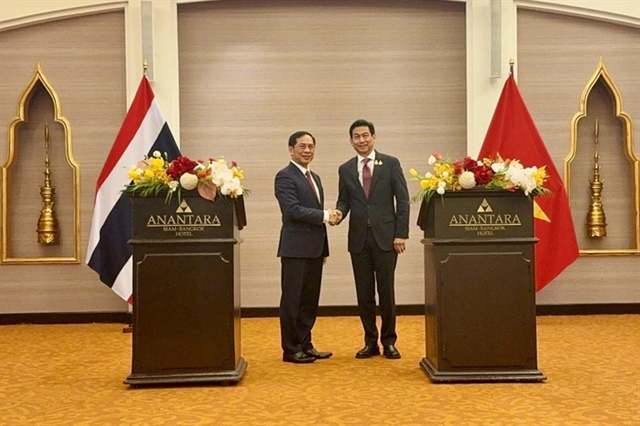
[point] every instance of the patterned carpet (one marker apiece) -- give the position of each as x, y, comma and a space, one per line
73, 374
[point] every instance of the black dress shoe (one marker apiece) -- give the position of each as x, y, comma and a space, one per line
368, 351
391, 352
298, 358
316, 354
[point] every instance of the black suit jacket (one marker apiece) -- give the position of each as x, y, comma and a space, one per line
386, 209
303, 233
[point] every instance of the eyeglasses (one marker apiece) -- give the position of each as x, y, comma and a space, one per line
365, 136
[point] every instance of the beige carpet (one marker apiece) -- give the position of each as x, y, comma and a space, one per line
72, 375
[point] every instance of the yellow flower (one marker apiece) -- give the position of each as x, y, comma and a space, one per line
237, 172
413, 172
541, 175
441, 168
157, 163
133, 173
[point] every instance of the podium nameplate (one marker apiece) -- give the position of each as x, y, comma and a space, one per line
192, 218
477, 214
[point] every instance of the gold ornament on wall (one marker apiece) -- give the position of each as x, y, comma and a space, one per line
596, 221
48, 231
37, 103
626, 242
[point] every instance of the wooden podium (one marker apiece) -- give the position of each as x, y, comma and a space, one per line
186, 290
480, 313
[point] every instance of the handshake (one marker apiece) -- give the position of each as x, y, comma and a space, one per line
335, 217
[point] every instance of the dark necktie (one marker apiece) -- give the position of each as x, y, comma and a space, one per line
313, 188
366, 176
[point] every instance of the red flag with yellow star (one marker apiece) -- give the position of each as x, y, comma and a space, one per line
513, 134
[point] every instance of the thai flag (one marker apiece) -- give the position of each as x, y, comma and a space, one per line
143, 131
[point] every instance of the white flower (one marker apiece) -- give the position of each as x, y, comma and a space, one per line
467, 180
221, 174
156, 154
497, 167
442, 184
445, 174
521, 178
173, 185
529, 183
440, 190
428, 175
231, 187
189, 181
432, 160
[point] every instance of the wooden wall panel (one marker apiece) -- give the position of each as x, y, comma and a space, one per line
557, 55
84, 60
254, 72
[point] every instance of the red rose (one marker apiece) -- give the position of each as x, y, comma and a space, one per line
483, 174
180, 166
470, 164
466, 164
458, 167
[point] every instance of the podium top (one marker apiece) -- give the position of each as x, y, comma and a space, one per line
477, 214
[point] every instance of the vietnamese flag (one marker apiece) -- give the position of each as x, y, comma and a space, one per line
513, 135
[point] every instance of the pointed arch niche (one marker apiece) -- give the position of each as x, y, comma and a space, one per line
24, 173
601, 115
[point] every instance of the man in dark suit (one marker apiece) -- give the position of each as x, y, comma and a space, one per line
303, 249
373, 188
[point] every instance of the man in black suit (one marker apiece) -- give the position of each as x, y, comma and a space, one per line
303, 249
373, 188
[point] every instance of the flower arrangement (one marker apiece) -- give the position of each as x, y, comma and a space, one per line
154, 175
490, 173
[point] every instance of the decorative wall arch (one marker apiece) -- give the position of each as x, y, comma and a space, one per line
601, 76
38, 81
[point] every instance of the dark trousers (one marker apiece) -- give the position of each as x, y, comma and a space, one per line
372, 268
300, 283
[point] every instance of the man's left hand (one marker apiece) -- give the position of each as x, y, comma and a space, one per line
399, 244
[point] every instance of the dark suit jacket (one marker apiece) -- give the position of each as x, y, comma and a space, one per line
303, 233
386, 209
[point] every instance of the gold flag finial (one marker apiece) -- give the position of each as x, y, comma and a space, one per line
511, 64
145, 67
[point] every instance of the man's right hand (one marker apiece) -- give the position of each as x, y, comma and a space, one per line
335, 217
